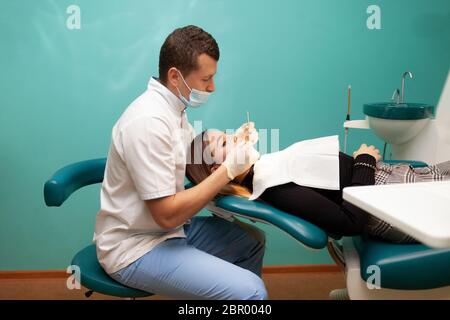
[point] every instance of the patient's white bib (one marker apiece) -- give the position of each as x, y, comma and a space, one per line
310, 163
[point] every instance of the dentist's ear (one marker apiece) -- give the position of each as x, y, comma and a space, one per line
173, 77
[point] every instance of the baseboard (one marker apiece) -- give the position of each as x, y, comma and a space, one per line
58, 274
33, 274
301, 268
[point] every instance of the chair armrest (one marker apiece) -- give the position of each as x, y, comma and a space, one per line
303, 231
72, 177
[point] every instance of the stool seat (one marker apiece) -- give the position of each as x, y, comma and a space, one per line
96, 279
404, 266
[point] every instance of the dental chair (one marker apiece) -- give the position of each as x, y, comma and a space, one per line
408, 270
72, 177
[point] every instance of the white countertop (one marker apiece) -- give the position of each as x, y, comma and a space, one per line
421, 210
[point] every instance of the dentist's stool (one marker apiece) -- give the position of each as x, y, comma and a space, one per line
56, 190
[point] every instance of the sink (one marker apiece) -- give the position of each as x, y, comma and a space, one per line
400, 111
397, 123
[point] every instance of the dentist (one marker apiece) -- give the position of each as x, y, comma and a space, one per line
146, 234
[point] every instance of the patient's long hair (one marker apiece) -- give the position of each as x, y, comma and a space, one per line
197, 169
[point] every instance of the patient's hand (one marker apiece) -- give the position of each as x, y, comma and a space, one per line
374, 152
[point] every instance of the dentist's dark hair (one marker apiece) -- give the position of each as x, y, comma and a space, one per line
182, 48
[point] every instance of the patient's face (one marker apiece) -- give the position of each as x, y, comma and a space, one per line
220, 144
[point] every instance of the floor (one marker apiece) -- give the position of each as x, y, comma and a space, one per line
280, 286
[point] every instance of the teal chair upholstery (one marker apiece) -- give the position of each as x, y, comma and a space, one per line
97, 280
70, 178
404, 266
301, 230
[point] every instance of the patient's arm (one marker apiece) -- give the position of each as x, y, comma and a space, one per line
362, 175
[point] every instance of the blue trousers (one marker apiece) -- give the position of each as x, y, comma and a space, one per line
219, 260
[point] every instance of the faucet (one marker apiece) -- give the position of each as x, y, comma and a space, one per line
396, 96
407, 73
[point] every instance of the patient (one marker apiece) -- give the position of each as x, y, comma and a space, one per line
324, 208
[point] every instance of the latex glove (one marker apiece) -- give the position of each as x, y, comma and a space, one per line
247, 130
240, 159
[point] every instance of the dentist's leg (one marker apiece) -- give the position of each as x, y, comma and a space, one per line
177, 269
252, 230
236, 242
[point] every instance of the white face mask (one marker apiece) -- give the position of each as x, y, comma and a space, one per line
196, 97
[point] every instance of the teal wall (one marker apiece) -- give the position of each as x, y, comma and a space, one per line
287, 62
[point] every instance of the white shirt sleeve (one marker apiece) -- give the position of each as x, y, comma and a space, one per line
149, 156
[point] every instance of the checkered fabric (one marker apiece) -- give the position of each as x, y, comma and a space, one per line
402, 173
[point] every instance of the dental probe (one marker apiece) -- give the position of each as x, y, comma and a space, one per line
248, 123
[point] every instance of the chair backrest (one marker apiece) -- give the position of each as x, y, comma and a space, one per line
70, 178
